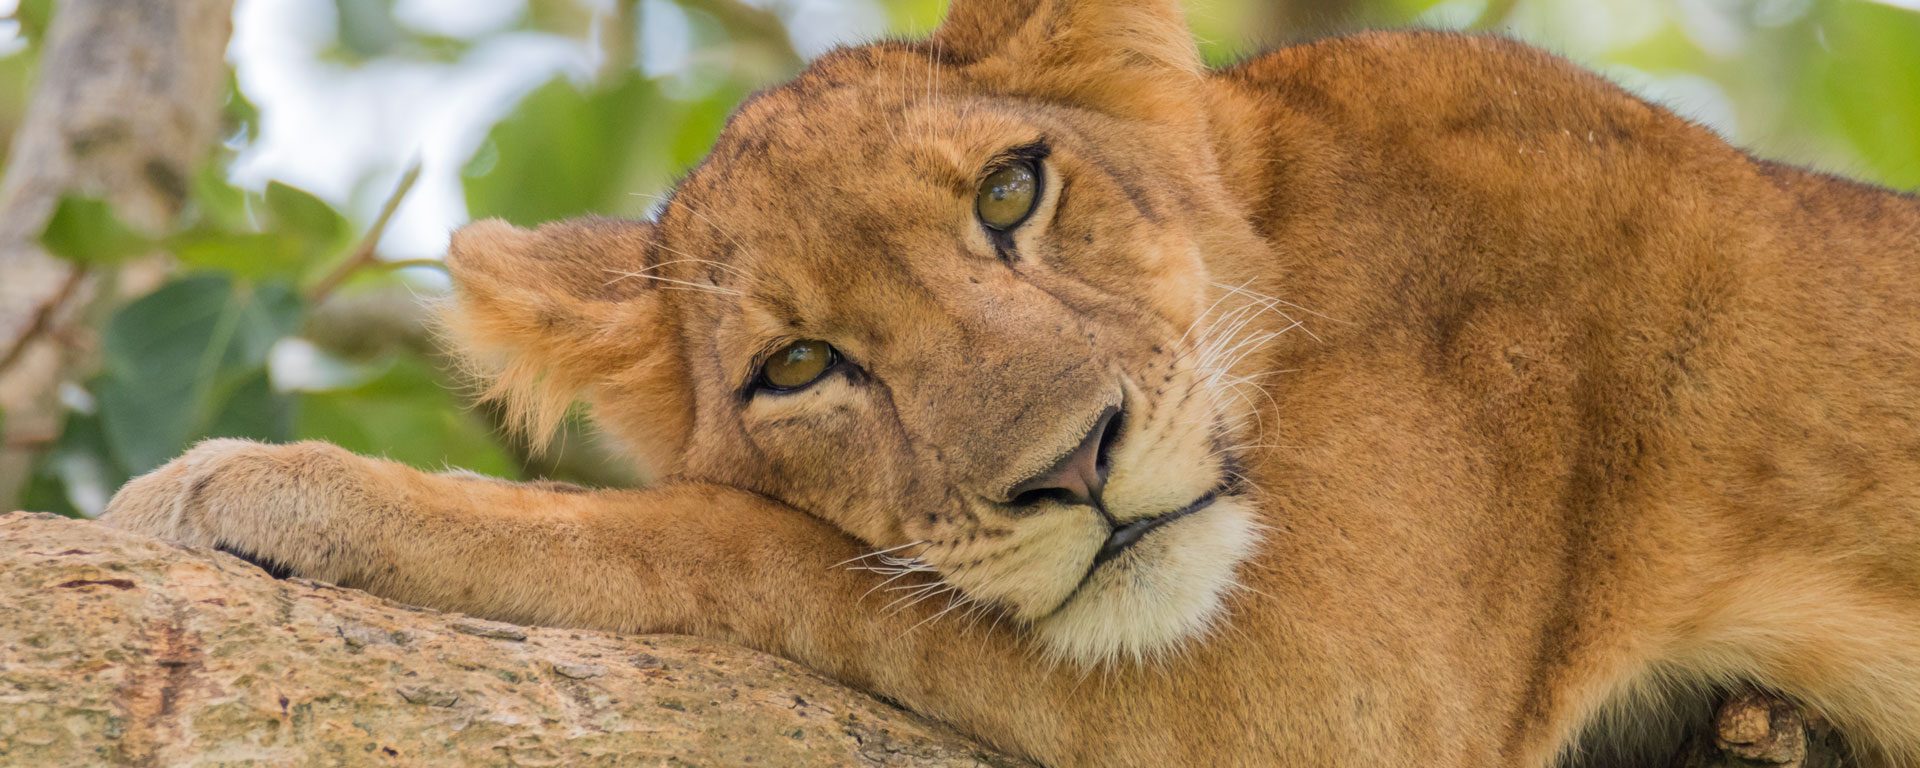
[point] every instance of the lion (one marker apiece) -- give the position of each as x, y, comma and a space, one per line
1407, 398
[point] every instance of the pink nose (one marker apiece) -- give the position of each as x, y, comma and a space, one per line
1077, 477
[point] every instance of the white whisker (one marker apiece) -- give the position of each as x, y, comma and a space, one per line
958, 599
714, 289
877, 553
889, 580
690, 260
710, 222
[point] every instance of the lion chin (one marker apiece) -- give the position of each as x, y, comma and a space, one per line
1161, 595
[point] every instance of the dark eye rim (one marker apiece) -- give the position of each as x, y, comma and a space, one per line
1039, 189
758, 384
1032, 155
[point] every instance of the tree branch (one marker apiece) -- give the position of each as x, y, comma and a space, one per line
192, 656
191, 653
366, 254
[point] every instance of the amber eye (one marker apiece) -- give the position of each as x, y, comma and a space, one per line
797, 365
1007, 195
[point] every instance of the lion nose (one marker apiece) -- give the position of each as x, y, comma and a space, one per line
1077, 477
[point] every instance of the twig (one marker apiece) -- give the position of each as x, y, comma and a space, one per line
617, 40
428, 263
366, 253
43, 318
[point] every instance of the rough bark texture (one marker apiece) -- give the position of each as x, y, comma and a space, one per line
121, 650
127, 106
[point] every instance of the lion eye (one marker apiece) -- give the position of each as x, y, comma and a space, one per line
1007, 196
796, 365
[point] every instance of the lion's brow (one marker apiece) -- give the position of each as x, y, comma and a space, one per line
943, 167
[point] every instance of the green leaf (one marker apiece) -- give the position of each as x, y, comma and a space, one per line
700, 124
174, 360
565, 18
298, 212
46, 492
239, 117
250, 408
243, 254
406, 415
218, 203
84, 230
78, 476
34, 15
1870, 75
18, 74
914, 18
302, 231
564, 152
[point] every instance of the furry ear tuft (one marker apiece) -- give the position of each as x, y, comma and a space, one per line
1132, 57
545, 316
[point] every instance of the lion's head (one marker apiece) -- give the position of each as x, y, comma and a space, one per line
953, 297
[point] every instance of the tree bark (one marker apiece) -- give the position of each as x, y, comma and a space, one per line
127, 106
119, 649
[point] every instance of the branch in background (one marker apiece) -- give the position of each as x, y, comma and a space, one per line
366, 254
370, 322
42, 317
751, 22
127, 106
618, 46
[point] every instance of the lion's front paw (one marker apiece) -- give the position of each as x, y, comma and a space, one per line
286, 508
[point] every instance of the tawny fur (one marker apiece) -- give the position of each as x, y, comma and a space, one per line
1541, 412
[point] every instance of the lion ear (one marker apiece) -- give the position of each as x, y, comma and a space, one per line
550, 315
1132, 57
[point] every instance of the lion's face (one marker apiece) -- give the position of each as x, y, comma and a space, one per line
976, 332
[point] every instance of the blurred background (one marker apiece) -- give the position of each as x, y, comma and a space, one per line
282, 300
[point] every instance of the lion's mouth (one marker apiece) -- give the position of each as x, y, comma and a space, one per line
1124, 537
